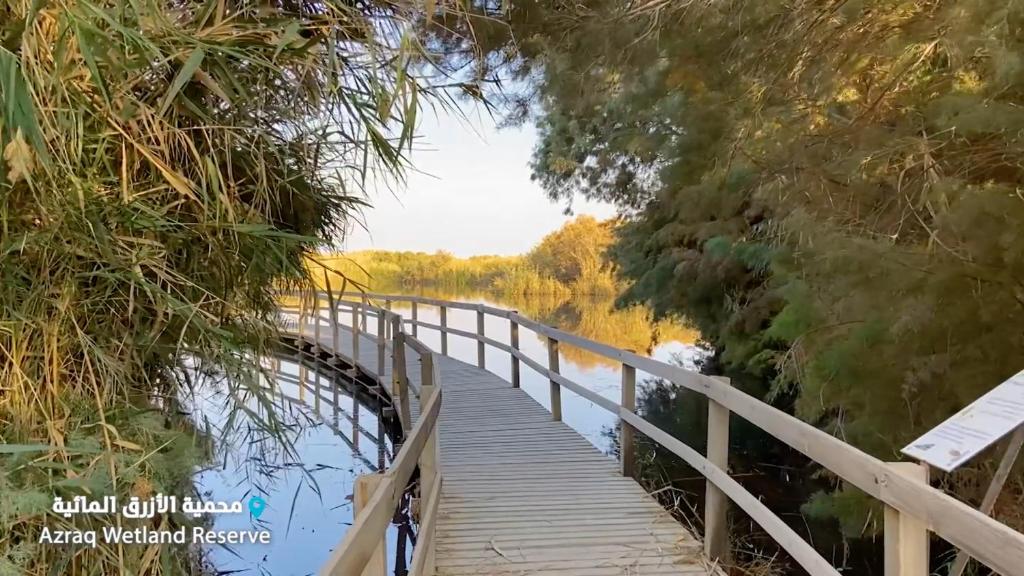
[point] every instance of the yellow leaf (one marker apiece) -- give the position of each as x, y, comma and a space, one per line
19, 157
128, 445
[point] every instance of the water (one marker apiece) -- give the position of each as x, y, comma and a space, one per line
309, 490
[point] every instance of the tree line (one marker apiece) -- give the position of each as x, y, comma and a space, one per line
569, 261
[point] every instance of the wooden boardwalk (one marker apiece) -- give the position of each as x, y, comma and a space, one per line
524, 495
506, 489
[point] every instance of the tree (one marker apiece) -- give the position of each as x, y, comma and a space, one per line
574, 251
830, 190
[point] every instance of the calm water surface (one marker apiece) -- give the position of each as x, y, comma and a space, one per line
308, 489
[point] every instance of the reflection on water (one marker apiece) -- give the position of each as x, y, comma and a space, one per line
593, 318
333, 431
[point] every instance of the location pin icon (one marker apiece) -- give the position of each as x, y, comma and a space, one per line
256, 506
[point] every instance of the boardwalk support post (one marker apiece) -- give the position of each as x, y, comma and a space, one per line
365, 486
415, 319
627, 445
556, 390
316, 326
400, 380
444, 330
906, 537
716, 503
316, 392
481, 359
514, 342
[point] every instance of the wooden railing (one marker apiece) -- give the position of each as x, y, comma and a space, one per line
376, 496
912, 506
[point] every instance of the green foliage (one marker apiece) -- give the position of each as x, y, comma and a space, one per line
165, 166
829, 190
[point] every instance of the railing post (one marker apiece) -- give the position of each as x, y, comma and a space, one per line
428, 458
481, 359
430, 471
626, 440
366, 312
355, 335
387, 306
399, 378
514, 341
716, 503
365, 486
556, 389
906, 537
444, 330
381, 342
415, 318
302, 381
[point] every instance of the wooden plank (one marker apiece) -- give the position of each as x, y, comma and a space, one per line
802, 552
905, 537
381, 344
716, 504
366, 485
627, 442
399, 376
481, 349
514, 341
1013, 447
355, 333
444, 330
556, 390
362, 539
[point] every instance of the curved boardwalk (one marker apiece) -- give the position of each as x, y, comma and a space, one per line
524, 495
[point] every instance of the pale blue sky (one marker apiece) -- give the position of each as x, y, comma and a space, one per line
472, 193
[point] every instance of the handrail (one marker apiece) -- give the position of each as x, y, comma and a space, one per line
984, 538
361, 543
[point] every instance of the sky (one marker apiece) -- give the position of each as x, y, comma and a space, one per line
470, 194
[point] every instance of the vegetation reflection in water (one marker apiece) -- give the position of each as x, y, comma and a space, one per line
307, 479
593, 317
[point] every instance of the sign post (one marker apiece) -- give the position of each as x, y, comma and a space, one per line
971, 430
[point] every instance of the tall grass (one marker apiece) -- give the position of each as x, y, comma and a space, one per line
165, 164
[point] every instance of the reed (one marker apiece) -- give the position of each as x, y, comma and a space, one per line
165, 166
